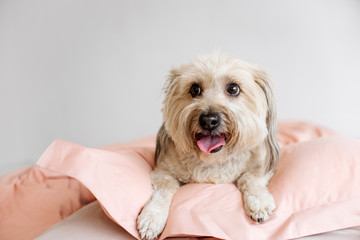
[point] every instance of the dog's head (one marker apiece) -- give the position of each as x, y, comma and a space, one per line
219, 105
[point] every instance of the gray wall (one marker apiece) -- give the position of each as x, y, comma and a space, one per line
91, 71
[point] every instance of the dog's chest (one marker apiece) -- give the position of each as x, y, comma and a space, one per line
195, 171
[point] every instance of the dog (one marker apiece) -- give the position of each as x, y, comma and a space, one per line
219, 126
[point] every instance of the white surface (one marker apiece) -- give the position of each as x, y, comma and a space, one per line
342, 234
90, 222
91, 71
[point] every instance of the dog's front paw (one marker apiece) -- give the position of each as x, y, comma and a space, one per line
151, 222
259, 206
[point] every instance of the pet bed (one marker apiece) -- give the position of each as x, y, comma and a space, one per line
316, 189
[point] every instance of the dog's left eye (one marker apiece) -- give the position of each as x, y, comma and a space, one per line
233, 89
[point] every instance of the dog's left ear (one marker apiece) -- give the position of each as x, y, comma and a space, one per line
263, 80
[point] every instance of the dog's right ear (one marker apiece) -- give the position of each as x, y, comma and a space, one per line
169, 89
174, 73
162, 139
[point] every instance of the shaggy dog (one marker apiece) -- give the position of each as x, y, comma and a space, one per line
219, 127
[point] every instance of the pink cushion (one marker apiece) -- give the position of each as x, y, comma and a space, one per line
34, 199
316, 189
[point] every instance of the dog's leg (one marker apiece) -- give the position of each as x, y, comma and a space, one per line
258, 202
152, 218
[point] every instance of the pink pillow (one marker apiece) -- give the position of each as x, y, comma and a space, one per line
316, 189
34, 199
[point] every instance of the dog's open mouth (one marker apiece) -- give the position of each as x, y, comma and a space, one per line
210, 143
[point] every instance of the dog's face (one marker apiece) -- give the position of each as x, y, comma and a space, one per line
216, 106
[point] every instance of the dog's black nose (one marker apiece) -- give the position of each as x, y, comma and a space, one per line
209, 121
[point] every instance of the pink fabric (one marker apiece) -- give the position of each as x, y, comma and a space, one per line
295, 131
119, 177
316, 188
34, 199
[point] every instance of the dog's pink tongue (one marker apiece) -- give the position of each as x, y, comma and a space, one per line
209, 143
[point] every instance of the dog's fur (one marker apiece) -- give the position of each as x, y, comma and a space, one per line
247, 123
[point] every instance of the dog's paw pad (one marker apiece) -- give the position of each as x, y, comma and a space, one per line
150, 224
259, 220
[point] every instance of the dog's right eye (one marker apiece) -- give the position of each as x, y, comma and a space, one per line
195, 90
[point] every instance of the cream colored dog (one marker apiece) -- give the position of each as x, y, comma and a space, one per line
219, 127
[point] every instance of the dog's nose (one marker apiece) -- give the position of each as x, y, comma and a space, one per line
209, 121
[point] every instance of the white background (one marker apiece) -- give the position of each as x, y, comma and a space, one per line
91, 72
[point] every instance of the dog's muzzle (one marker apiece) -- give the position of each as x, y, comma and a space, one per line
210, 142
